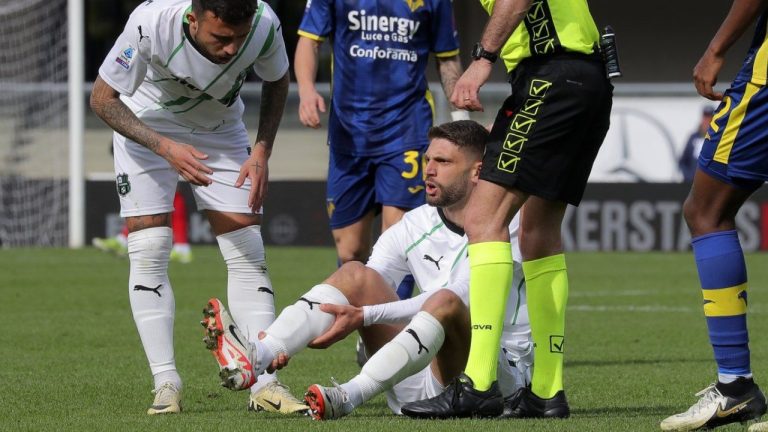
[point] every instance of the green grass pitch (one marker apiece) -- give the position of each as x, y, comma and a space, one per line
636, 351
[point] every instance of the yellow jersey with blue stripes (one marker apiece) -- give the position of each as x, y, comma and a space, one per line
380, 101
549, 27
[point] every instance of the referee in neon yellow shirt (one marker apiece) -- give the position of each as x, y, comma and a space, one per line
539, 153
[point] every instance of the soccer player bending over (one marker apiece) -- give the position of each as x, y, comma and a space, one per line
419, 345
169, 88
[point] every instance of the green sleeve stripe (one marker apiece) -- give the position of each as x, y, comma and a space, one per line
259, 12
425, 235
268, 43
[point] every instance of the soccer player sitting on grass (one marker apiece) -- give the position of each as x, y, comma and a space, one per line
414, 361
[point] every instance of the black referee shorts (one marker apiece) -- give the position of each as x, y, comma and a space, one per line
547, 133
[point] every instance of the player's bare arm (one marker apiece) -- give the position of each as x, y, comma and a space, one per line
106, 103
450, 70
273, 96
507, 15
305, 67
739, 18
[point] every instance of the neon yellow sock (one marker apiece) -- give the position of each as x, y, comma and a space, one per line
546, 281
490, 276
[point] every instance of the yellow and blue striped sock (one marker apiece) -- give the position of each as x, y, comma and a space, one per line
723, 278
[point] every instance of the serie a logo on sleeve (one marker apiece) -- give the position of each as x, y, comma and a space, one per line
126, 57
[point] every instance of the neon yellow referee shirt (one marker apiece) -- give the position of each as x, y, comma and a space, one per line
549, 26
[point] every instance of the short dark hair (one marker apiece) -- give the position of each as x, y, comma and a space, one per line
230, 11
468, 135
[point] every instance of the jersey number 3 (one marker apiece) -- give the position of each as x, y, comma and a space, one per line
411, 158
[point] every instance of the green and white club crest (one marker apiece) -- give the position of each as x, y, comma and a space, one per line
123, 184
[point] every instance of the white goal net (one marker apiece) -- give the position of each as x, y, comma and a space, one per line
33, 123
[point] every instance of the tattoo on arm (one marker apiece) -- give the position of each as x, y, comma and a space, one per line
273, 96
449, 69
106, 103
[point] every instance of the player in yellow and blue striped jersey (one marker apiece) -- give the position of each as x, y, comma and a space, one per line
733, 163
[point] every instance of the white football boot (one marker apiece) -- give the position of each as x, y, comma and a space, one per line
714, 409
167, 400
276, 397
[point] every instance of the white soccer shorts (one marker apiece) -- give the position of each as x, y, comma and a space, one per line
146, 183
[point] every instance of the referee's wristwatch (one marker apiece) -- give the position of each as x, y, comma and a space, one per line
479, 52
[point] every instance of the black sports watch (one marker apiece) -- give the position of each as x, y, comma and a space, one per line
479, 52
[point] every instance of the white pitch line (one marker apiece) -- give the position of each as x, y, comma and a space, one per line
631, 308
614, 293
753, 309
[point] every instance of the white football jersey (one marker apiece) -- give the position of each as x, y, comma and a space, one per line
429, 247
169, 84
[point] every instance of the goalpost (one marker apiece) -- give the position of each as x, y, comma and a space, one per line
41, 123
76, 62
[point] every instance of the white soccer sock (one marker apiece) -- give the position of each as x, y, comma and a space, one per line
152, 302
301, 322
170, 376
354, 390
406, 354
729, 378
515, 359
249, 289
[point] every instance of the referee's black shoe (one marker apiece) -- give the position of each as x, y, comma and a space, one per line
460, 399
532, 406
511, 402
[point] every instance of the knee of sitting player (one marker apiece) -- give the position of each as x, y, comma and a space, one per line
349, 279
445, 306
